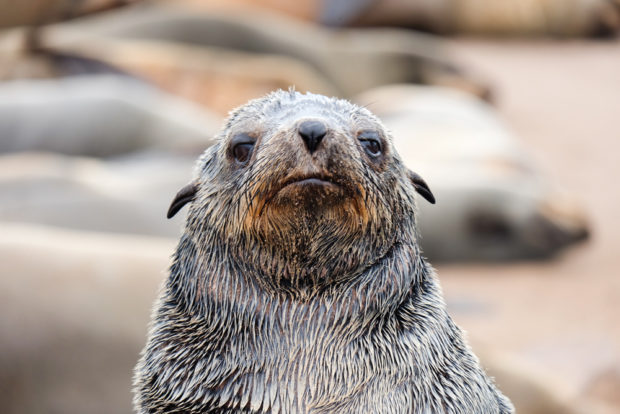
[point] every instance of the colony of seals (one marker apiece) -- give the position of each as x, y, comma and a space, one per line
298, 285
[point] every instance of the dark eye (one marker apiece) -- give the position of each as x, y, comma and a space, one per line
370, 142
243, 152
242, 146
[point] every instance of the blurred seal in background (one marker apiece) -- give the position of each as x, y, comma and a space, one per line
495, 204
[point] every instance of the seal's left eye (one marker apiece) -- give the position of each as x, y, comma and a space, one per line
243, 152
370, 142
242, 146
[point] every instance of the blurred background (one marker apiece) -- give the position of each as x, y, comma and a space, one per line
509, 110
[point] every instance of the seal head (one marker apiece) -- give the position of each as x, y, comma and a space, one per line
310, 187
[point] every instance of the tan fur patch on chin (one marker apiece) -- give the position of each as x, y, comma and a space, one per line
271, 212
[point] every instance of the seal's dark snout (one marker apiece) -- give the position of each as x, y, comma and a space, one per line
312, 132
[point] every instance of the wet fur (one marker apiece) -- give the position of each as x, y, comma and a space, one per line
291, 300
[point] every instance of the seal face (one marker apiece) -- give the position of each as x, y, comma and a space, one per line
293, 176
298, 285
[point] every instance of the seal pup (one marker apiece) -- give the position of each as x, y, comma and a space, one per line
497, 203
327, 55
100, 116
298, 285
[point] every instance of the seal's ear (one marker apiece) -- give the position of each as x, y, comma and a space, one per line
421, 187
184, 196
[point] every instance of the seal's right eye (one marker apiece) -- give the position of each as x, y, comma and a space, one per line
242, 146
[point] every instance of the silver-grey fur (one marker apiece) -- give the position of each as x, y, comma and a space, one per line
297, 299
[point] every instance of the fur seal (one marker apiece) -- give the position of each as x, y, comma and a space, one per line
298, 285
558, 18
498, 203
120, 195
99, 115
328, 55
79, 357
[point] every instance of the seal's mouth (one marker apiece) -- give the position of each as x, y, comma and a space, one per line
312, 190
309, 181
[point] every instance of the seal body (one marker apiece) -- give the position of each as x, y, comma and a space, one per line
298, 285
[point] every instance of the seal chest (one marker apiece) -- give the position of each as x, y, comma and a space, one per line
298, 285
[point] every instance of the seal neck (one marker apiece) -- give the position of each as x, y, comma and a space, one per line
205, 284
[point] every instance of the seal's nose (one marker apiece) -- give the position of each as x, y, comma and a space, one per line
312, 132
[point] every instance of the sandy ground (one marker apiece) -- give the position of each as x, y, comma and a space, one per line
562, 316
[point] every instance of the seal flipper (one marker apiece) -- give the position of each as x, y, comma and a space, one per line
421, 187
184, 196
